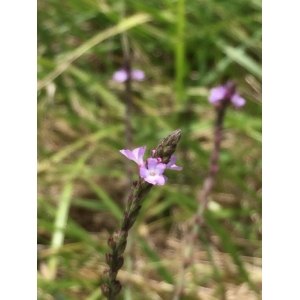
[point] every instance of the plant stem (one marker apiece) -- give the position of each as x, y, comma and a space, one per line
208, 185
117, 243
128, 134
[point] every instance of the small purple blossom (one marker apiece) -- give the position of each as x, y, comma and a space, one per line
123, 75
217, 94
120, 76
153, 172
138, 75
226, 92
171, 165
237, 100
135, 155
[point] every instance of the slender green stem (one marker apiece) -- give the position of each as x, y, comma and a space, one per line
186, 257
128, 262
59, 227
180, 51
208, 185
128, 137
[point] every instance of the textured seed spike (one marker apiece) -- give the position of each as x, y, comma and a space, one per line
167, 146
117, 242
105, 290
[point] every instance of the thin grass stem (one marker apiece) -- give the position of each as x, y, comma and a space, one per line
180, 51
59, 228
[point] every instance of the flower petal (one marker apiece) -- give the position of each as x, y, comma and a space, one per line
217, 94
160, 168
161, 180
171, 165
152, 163
128, 154
139, 153
120, 76
138, 75
150, 180
144, 172
237, 100
135, 155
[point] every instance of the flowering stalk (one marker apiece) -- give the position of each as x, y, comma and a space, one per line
221, 97
117, 242
126, 75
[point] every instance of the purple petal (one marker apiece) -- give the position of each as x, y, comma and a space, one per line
160, 168
161, 180
138, 75
150, 180
128, 154
237, 100
171, 165
144, 172
120, 76
135, 155
217, 94
139, 154
152, 162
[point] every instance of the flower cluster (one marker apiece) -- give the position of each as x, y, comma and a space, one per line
123, 75
152, 169
226, 93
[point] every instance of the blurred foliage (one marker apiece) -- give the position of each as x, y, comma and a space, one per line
81, 130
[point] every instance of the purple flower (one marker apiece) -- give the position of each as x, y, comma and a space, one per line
217, 94
171, 165
122, 75
226, 92
138, 75
237, 100
153, 172
135, 155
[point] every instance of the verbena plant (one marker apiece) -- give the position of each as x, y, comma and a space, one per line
184, 48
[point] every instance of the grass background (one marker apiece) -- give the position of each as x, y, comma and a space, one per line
185, 48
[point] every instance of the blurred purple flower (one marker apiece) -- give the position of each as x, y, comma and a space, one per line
217, 94
237, 100
226, 92
138, 75
171, 165
135, 155
153, 172
122, 75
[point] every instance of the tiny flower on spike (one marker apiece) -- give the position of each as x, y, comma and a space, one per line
138, 75
153, 172
123, 75
120, 76
136, 155
171, 165
226, 92
237, 100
